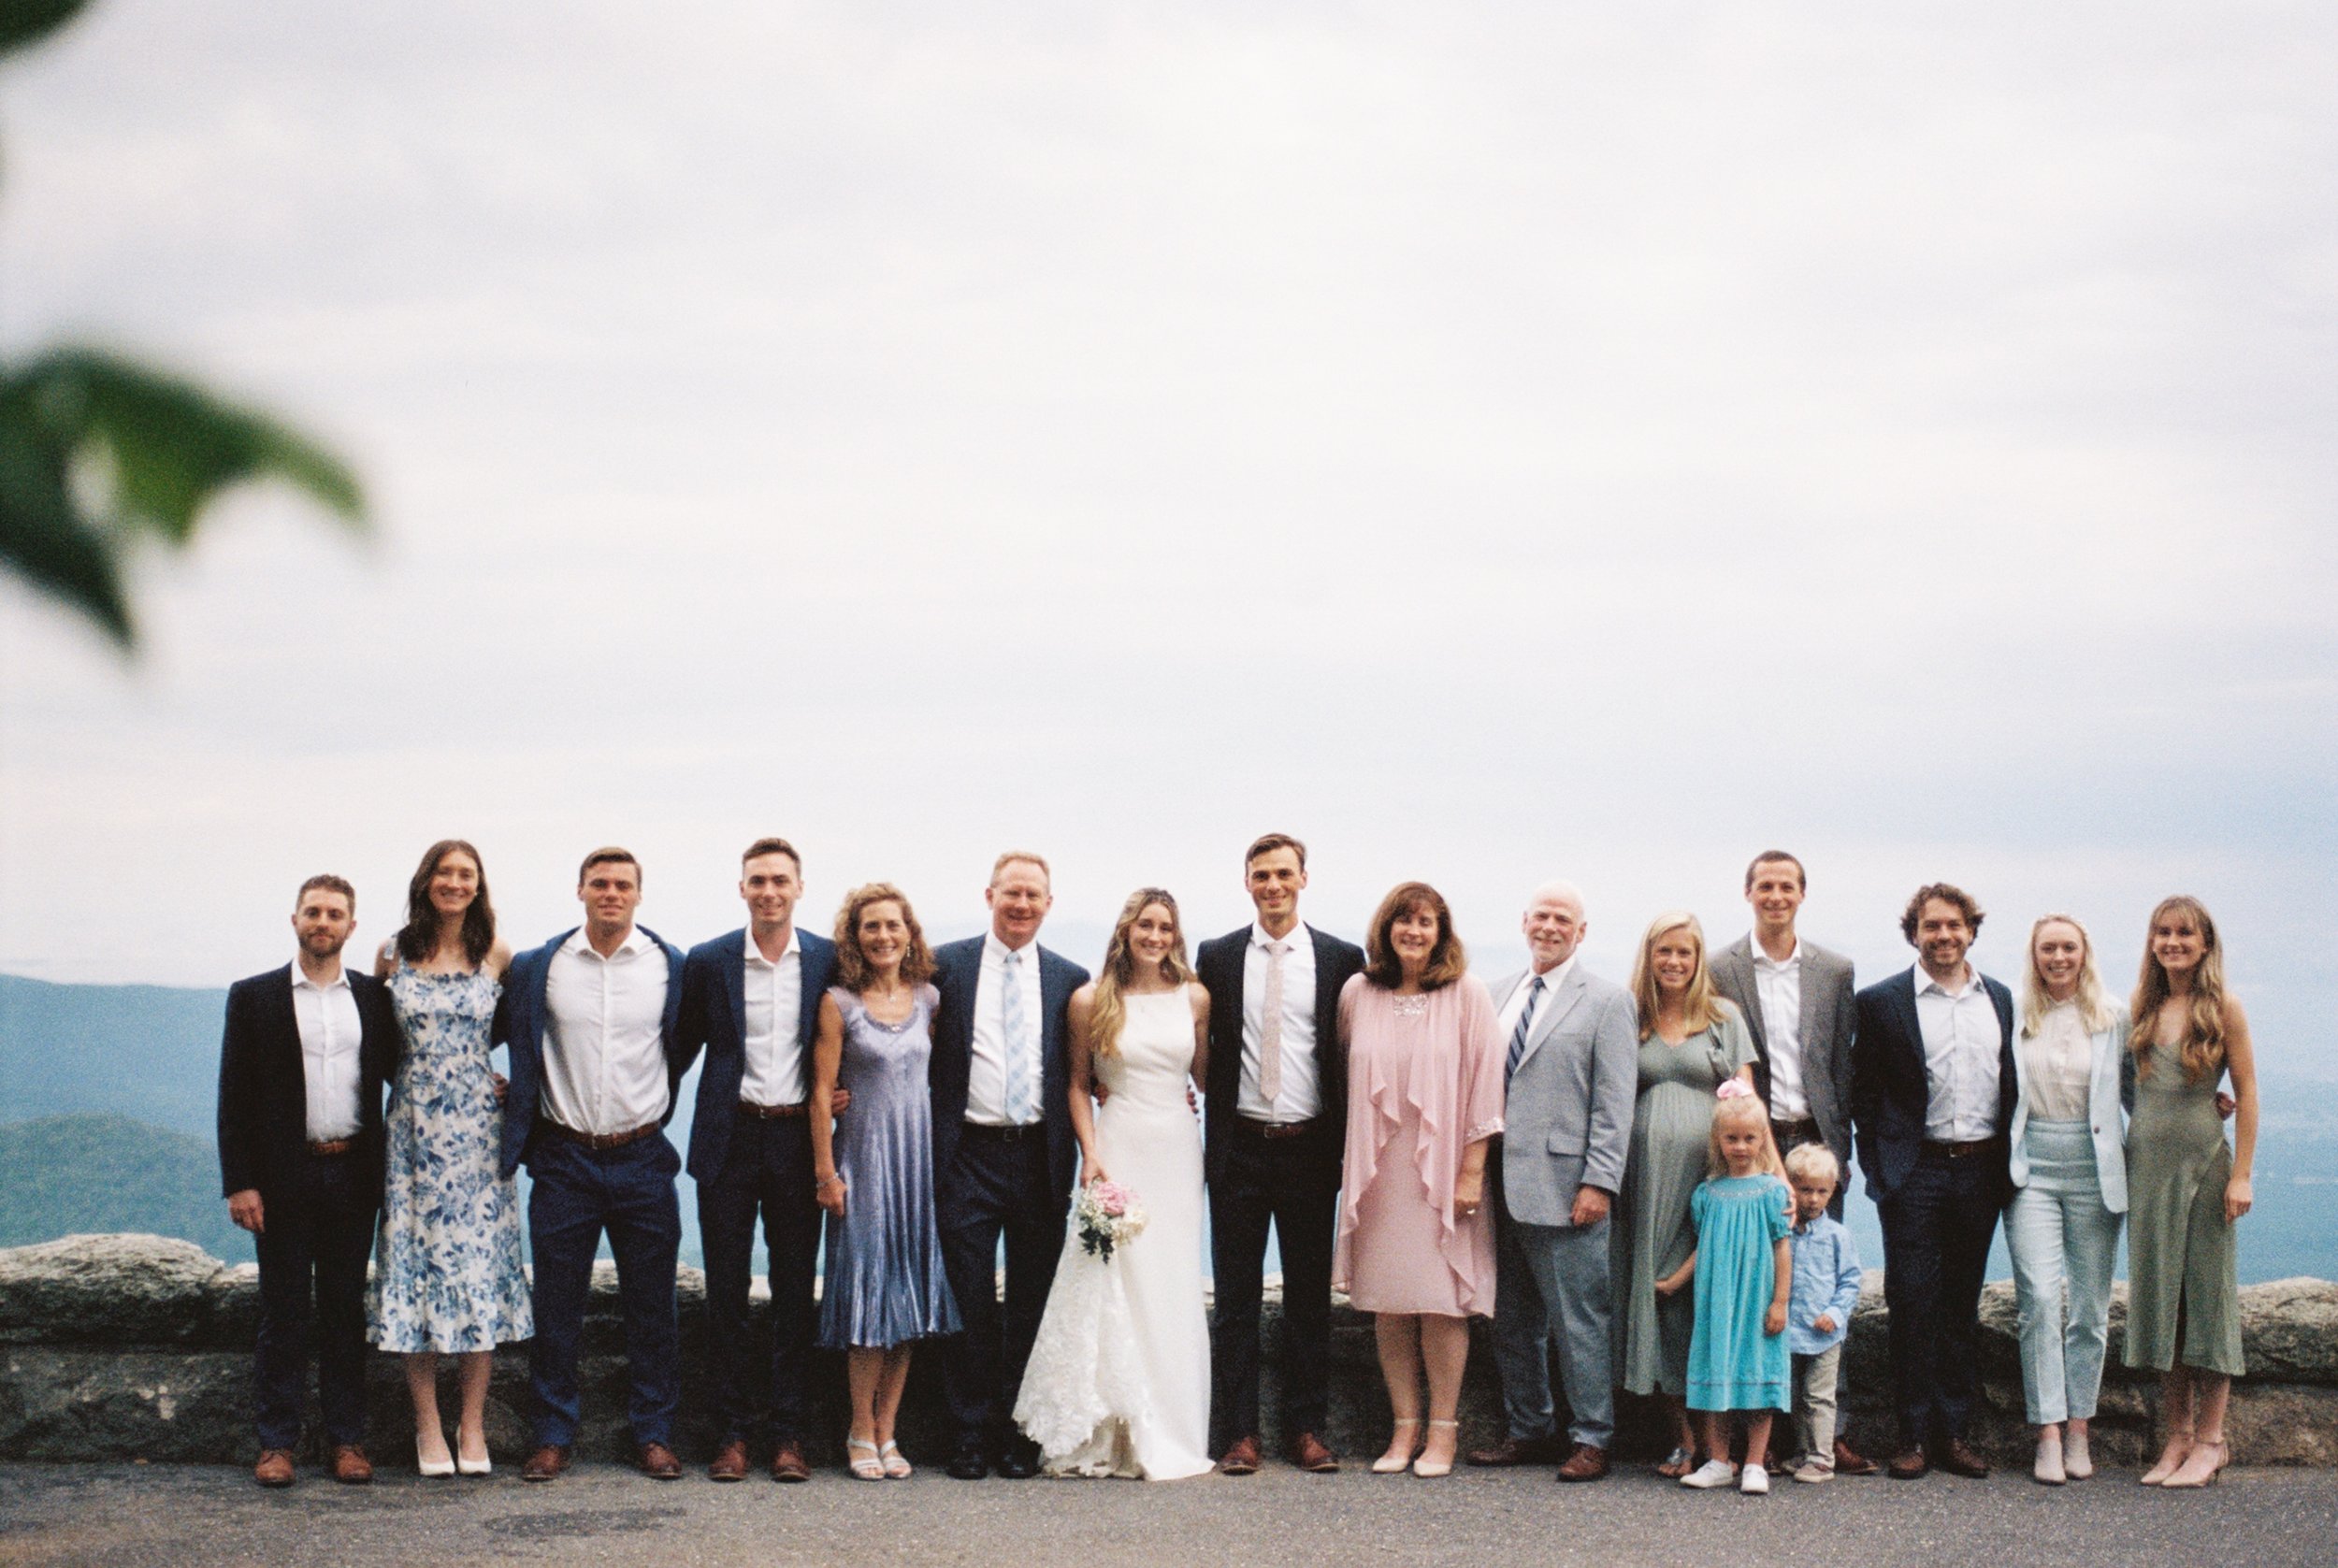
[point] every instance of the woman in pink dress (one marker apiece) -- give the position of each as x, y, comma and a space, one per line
1424, 1095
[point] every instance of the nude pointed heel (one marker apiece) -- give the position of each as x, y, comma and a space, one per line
1389, 1463
2158, 1473
1430, 1469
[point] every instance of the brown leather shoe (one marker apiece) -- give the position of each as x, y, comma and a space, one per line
1241, 1459
1959, 1459
1849, 1461
730, 1463
1517, 1451
1586, 1464
1309, 1454
350, 1465
1909, 1464
275, 1468
658, 1462
545, 1464
787, 1462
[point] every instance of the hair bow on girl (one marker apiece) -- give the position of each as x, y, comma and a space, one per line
1731, 1088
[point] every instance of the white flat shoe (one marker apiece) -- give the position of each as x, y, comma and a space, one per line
2047, 1466
1753, 1481
2077, 1463
1712, 1473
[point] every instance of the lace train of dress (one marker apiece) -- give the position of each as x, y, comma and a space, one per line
1118, 1378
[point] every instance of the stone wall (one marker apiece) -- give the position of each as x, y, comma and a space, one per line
139, 1348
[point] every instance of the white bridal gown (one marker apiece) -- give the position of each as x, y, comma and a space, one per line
1118, 1378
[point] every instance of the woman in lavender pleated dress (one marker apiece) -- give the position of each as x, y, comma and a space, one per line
873, 1171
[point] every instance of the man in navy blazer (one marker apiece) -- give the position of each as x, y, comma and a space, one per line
1277, 1129
751, 998
1932, 1101
302, 1062
1004, 1157
592, 1021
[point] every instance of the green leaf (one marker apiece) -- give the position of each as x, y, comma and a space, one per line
42, 534
23, 21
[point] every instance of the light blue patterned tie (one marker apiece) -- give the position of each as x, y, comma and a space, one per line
1018, 1086
1517, 1035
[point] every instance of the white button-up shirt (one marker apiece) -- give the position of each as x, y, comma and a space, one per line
1524, 992
1961, 1040
604, 1044
330, 1033
2059, 1060
1302, 1096
1778, 986
986, 1070
773, 1046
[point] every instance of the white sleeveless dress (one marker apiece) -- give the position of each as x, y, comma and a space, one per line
1118, 1378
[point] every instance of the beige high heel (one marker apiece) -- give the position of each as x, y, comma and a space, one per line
1389, 1463
1430, 1469
2157, 1475
2197, 1470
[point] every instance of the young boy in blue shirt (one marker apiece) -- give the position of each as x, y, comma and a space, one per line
1818, 1314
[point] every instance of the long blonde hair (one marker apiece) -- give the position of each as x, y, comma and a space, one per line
1108, 1012
1702, 1008
2094, 1008
2203, 1031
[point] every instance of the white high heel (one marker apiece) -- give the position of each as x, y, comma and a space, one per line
429, 1467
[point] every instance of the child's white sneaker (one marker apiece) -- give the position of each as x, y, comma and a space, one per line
1712, 1473
1813, 1472
1753, 1480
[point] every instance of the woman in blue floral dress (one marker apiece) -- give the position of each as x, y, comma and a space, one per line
446, 1274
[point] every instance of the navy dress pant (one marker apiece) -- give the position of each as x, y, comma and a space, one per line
313, 1289
766, 1170
996, 1185
1937, 1225
578, 1194
1294, 1183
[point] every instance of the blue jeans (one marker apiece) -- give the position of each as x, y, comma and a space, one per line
2066, 1246
579, 1193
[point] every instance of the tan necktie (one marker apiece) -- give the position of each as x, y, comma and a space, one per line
1270, 1030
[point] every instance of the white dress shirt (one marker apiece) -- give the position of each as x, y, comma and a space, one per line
1778, 986
2059, 1063
1524, 992
986, 1069
1301, 1098
773, 1046
604, 1045
330, 1032
1961, 1040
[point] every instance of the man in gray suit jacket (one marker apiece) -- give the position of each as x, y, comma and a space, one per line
1571, 1070
1797, 999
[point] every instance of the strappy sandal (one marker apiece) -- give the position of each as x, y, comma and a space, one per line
869, 1469
896, 1467
1677, 1463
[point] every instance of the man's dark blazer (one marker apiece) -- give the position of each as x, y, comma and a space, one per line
520, 1020
956, 973
1890, 1092
264, 1088
715, 1017
1218, 964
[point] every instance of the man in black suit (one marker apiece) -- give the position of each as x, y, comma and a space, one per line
1278, 1124
1932, 1099
751, 998
302, 1063
1003, 1154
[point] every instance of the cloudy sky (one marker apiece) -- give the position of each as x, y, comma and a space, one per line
1490, 442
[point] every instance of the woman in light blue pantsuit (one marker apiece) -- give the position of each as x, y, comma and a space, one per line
2072, 1070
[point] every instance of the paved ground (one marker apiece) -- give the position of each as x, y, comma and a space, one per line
184, 1517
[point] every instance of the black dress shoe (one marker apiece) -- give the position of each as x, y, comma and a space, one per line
968, 1464
1019, 1461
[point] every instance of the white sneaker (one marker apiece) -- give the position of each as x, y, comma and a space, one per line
2076, 1463
1753, 1480
1813, 1472
1712, 1473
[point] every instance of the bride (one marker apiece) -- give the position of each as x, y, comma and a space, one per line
1118, 1378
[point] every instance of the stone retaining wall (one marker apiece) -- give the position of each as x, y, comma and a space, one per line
139, 1348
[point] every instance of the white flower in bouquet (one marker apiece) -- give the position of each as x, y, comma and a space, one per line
1109, 1216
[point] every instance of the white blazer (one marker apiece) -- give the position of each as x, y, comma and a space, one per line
2106, 1109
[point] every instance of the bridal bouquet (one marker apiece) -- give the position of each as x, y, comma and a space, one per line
1109, 1215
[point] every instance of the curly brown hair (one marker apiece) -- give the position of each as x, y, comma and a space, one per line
1948, 893
852, 968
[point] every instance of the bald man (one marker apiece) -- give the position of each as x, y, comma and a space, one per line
1570, 1068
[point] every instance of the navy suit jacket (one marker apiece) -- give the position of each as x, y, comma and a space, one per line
264, 1087
520, 1020
1219, 965
714, 1018
957, 971
1890, 1092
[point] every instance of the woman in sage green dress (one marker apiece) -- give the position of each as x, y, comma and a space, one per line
1691, 1038
2185, 1189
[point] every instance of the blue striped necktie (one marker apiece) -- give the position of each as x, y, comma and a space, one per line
1018, 1087
1517, 1035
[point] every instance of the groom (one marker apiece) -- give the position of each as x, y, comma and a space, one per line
1003, 1154
1278, 1120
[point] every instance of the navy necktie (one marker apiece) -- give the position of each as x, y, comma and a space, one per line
1517, 1035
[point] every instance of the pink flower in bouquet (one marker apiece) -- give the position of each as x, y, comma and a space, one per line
1112, 1199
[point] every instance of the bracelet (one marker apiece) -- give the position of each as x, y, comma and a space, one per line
829, 1180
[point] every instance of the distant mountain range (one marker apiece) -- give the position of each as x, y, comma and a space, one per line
112, 1091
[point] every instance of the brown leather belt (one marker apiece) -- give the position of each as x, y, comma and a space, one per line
598, 1140
332, 1147
1274, 1130
796, 1112
1802, 1129
1005, 1134
1962, 1151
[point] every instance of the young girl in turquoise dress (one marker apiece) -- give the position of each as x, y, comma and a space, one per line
1743, 1271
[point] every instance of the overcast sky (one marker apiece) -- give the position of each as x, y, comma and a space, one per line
1490, 443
